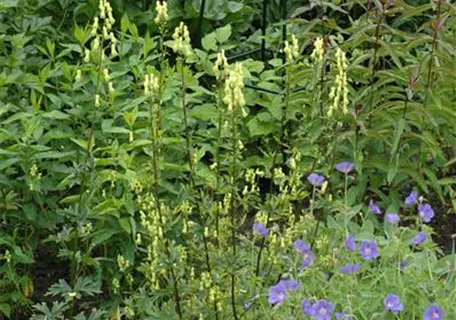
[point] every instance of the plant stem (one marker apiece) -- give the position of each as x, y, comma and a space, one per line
233, 209
192, 169
155, 185
274, 161
436, 28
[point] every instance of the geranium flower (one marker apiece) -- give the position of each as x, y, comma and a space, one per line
315, 179
369, 250
425, 212
393, 303
345, 167
433, 312
260, 229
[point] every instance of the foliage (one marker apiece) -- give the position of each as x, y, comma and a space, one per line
142, 159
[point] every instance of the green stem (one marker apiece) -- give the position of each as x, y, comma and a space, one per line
233, 210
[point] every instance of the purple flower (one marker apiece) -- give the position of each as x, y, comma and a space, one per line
403, 264
315, 179
393, 303
290, 284
307, 308
277, 293
419, 238
350, 268
433, 312
322, 310
392, 218
345, 167
374, 208
369, 250
426, 212
411, 199
307, 261
343, 316
350, 244
260, 229
301, 246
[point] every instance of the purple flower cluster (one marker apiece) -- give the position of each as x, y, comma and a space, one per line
425, 210
279, 292
324, 309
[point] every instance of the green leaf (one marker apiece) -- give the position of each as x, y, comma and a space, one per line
5, 309
235, 6
392, 168
52, 155
125, 224
209, 42
258, 127
206, 112
397, 135
8, 162
223, 33
56, 114
4, 4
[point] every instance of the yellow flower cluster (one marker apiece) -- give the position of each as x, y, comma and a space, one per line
108, 22
318, 51
221, 65
291, 51
339, 92
181, 43
234, 96
151, 84
161, 8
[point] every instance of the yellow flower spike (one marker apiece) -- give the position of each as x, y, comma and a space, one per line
161, 8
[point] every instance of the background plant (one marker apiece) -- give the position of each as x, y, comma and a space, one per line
127, 187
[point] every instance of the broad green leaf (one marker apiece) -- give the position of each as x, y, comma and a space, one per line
223, 34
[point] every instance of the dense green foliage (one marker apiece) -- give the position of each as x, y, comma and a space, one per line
134, 159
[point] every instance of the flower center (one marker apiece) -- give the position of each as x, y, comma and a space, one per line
322, 311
